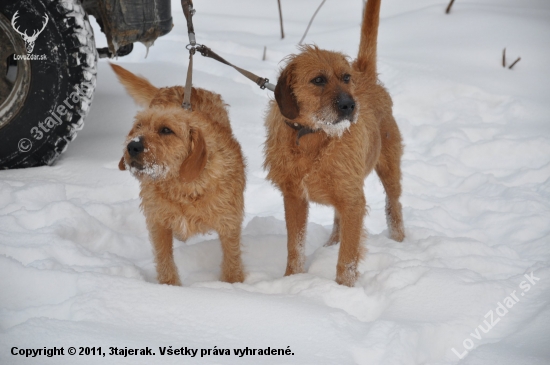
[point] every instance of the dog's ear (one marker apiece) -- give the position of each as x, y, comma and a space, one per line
193, 165
288, 105
141, 90
121, 164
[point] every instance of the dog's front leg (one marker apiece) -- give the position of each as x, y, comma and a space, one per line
351, 212
161, 237
296, 210
232, 266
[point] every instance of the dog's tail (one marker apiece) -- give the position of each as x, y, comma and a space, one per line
366, 59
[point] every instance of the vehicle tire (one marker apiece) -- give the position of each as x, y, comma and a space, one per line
46, 88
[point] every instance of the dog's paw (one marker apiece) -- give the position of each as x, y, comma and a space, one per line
398, 236
347, 275
294, 268
346, 280
236, 276
170, 280
394, 219
397, 231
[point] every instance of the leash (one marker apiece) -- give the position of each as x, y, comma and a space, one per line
188, 83
192, 47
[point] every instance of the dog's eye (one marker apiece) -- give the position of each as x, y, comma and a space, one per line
319, 81
165, 130
346, 78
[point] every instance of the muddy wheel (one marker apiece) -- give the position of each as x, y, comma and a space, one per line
47, 79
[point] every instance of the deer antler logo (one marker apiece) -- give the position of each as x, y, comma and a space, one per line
29, 40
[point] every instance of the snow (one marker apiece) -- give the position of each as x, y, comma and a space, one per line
76, 265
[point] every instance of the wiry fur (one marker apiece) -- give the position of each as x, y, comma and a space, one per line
330, 165
192, 180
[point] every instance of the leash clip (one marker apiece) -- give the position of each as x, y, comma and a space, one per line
265, 84
192, 39
189, 11
193, 47
262, 84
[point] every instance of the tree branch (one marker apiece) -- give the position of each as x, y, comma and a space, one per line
311, 21
281, 19
449, 7
513, 64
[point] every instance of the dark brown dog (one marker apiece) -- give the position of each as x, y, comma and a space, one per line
191, 172
330, 126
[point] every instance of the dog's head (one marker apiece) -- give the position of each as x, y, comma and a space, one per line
161, 144
316, 89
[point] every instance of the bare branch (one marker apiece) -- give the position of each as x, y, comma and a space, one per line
281, 19
513, 64
311, 21
449, 7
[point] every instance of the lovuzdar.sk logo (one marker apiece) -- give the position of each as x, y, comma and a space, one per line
29, 39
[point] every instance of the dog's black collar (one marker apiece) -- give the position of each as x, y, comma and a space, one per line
302, 130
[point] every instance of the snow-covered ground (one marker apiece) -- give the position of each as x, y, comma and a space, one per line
76, 266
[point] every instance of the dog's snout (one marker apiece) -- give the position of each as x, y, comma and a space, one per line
135, 147
346, 104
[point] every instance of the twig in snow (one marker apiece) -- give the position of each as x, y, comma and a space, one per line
281, 19
311, 21
504, 58
449, 7
513, 64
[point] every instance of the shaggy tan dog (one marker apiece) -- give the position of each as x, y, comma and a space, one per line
330, 126
191, 172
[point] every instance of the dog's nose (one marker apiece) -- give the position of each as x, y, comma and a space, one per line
346, 104
135, 147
